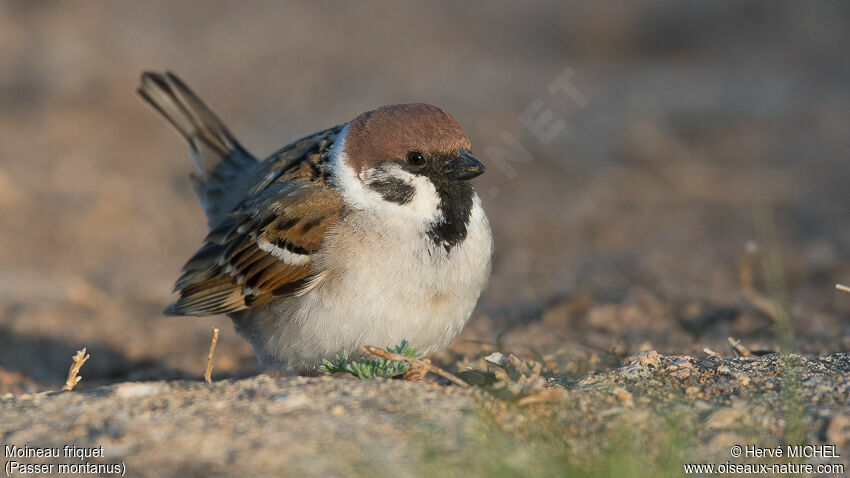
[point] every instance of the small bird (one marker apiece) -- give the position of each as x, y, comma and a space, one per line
366, 233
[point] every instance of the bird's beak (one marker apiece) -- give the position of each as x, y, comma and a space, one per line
463, 168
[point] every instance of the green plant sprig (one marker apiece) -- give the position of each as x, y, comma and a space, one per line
368, 369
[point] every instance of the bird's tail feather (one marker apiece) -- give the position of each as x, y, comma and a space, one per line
219, 157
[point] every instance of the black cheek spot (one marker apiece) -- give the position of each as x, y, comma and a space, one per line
393, 190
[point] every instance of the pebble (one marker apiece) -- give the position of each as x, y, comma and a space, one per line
647, 358
137, 389
681, 368
838, 431
723, 418
622, 394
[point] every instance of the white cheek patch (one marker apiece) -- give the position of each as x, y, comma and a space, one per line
423, 206
422, 201
425, 202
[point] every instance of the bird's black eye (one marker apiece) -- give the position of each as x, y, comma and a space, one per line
415, 158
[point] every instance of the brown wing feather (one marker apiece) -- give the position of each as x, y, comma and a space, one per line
263, 250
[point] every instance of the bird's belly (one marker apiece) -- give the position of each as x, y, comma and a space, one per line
345, 316
378, 291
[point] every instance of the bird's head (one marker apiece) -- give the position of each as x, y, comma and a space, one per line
414, 158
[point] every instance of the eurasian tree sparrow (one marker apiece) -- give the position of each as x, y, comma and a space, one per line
366, 233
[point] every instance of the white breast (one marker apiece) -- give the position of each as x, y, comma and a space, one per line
381, 286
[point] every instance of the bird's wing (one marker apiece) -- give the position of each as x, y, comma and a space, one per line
264, 249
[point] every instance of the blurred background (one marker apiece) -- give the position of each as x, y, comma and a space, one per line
706, 126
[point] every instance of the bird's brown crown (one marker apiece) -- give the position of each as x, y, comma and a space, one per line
390, 132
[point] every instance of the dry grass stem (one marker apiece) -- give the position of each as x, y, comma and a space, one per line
208, 372
762, 303
710, 352
739, 348
842, 287
73, 379
423, 364
416, 373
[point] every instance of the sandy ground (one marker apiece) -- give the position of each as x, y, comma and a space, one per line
263, 426
689, 132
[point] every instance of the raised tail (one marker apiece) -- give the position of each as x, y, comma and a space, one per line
220, 159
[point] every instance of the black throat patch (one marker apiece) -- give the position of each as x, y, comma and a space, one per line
456, 207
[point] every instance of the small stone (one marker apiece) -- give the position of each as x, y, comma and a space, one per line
137, 389
681, 363
647, 358
838, 431
723, 418
337, 410
724, 370
681, 368
296, 400
496, 358
692, 391
622, 394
